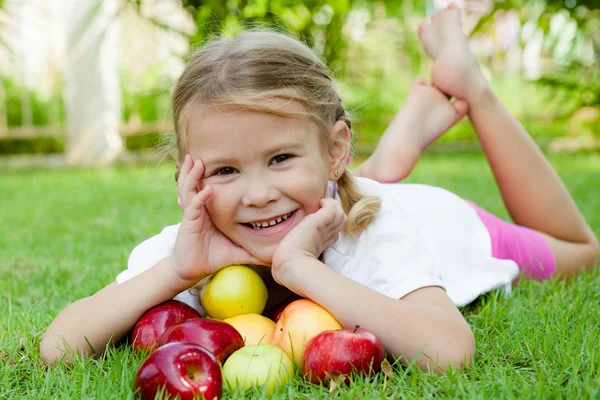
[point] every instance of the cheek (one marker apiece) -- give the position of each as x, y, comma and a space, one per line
220, 207
310, 192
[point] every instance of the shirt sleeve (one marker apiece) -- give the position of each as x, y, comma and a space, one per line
145, 255
403, 255
390, 256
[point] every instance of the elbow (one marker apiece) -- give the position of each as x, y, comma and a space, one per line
461, 355
49, 351
452, 354
458, 355
595, 251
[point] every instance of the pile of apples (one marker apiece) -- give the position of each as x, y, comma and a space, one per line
193, 357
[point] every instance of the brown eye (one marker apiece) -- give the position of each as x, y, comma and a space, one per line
280, 158
224, 171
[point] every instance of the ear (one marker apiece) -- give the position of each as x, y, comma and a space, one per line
339, 149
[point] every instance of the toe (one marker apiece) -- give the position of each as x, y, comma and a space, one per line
453, 12
423, 27
461, 107
428, 39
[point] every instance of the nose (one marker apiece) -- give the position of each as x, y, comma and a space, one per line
259, 192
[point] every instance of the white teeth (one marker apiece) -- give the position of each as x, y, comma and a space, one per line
261, 225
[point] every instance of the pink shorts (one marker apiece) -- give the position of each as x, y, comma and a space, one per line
524, 246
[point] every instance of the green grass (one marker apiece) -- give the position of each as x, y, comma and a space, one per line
67, 233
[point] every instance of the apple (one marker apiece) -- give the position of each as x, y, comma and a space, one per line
254, 328
156, 320
218, 337
275, 314
180, 369
234, 290
259, 364
342, 351
301, 321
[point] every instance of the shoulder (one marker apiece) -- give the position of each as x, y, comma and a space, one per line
149, 252
406, 192
390, 255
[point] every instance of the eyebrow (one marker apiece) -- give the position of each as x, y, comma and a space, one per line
286, 146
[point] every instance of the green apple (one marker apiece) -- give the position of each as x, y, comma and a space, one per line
234, 290
259, 364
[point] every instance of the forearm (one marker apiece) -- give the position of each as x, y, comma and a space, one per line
88, 325
523, 173
408, 330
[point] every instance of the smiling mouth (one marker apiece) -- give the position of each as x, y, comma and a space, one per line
267, 224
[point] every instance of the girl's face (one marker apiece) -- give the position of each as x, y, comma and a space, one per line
268, 172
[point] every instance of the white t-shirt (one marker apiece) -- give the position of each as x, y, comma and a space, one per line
423, 236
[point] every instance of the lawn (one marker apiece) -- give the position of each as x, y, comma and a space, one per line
67, 233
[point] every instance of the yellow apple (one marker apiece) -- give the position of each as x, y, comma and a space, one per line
301, 321
234, 290
254, 328
259, 364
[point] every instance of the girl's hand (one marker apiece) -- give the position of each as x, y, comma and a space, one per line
313, 235
201, 249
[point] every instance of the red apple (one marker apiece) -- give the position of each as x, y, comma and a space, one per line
275, 314
156, 320
343, 351
182, 369
218, 337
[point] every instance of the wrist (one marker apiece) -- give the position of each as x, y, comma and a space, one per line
174, 281
296, 273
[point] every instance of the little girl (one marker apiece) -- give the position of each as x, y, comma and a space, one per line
263, 142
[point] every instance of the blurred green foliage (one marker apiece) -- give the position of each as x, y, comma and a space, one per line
319, 23
42, 111
145, 98
568, 75
374, 68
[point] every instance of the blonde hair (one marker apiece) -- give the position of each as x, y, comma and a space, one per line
259, 65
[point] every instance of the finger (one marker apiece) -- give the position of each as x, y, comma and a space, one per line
340, 223
191, 182
183, 172
331, 241
328, 202
340, 215
196, 205
325, 215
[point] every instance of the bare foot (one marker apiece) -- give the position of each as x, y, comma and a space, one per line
425, 115
455, 70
